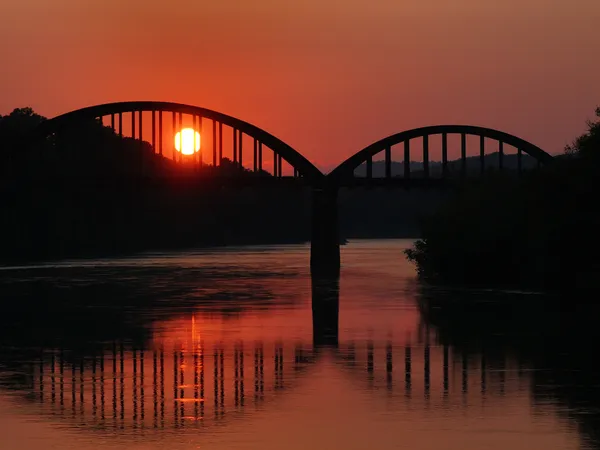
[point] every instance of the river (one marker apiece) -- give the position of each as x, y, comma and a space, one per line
218, 349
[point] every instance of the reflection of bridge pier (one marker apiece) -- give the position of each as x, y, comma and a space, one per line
325, 311
325, 237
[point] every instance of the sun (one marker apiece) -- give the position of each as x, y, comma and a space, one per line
187, 141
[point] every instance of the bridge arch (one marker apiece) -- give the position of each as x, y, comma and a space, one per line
281, 151
345, 170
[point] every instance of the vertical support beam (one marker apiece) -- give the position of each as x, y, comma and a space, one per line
201, 150
369, 167
463, 154
141, 135
153, 131
234, 146
260, 157
255, 155
194, 156
141, 143
240, 137
160, 133
120, 124
426, 156
174, 134
519, 160
220, 143
388, 162
482, 153
407, 159
500, 155
132, 124
180, 137
444, 155
214, 143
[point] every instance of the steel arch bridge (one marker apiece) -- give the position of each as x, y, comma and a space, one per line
127, 120
344, 174
144, 122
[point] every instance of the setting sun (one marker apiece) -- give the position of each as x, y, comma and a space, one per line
187, 141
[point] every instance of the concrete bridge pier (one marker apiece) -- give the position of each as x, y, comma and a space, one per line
325, 239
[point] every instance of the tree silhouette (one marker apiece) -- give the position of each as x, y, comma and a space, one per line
539, 231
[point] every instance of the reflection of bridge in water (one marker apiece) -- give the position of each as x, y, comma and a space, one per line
190, 381
198, 384
198, 380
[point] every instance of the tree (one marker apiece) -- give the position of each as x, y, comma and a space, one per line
540, 231
14, 129
588, 144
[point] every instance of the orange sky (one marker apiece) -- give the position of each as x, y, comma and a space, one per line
326, 76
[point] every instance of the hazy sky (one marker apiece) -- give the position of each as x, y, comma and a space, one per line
327, 76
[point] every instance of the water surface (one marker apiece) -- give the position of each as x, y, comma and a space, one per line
239, 349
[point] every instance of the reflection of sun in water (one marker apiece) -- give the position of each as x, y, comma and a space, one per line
187, 141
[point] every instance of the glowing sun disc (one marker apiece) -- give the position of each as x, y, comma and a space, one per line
187, 141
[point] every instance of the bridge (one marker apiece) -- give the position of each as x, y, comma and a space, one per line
223, 141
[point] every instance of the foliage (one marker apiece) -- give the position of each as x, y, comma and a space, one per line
88, 191
539, 231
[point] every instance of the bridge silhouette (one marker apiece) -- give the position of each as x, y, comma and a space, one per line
273, 162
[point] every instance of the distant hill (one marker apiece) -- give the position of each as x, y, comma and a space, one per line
491, 161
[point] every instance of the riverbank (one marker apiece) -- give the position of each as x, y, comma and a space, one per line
535, 232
